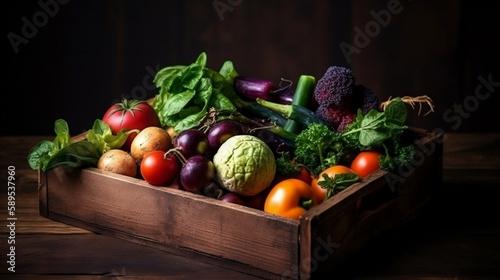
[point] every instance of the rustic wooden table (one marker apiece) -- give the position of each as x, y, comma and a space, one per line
457, 236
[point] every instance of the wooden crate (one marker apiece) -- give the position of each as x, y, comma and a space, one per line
239, 237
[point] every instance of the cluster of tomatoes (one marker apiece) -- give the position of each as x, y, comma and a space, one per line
292, 197
162, 159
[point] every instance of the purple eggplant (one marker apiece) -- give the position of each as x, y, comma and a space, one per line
252, 88
232, 198
221, 131
285, 95
192, 142
196, 173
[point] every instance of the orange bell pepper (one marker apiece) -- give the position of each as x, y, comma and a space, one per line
290, 198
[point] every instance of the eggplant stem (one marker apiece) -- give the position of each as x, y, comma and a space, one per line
177, 152
283, 88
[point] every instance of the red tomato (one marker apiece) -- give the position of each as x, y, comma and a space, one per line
130, 114
365, 163
331, 172
158, 169
305, 175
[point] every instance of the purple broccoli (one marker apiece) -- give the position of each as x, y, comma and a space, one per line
337, 117
335, 86
365, 99
339, 98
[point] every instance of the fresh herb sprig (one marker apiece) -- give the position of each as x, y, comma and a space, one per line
337, 183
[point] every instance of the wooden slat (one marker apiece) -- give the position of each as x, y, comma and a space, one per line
326, 228
130, 207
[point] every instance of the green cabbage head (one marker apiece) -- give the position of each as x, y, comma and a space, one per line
245, 165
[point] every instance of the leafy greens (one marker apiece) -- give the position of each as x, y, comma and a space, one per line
46, 155
337, 183
376, 127
319, 147
188, 92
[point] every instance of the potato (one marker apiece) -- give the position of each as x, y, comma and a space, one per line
171, 131
148, 140
118, 161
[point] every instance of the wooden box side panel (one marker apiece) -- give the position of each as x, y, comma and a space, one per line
337, 228
167, 216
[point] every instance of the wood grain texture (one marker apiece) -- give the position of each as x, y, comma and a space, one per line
131, 208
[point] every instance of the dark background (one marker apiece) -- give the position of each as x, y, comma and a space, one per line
85, 55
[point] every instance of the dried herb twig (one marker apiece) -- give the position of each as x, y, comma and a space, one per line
410, 100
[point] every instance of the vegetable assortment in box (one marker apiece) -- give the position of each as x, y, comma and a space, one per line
301, 166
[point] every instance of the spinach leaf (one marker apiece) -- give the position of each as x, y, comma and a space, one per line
186, 93
202, 60
373, 130
42, 152
166, 73
203, 93
228, 71
178, 101
191, 77
221, 102
376, 127
396, 112
62, 135
39, 154
75, 155
101, 128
